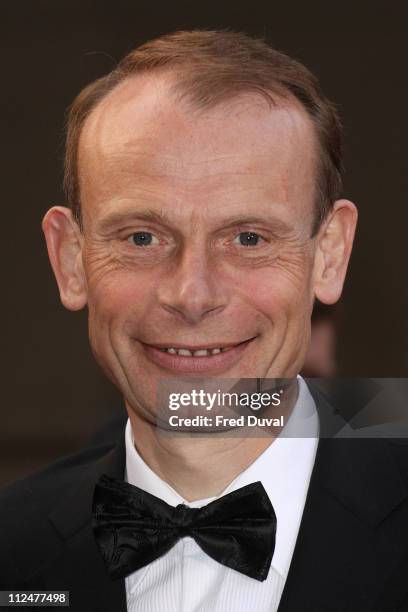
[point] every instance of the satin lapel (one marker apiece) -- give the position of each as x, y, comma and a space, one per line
79, 567
350, 541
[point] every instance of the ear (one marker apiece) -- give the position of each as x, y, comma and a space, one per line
64, 244
333, 248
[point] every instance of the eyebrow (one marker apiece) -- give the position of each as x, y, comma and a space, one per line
278, 226
116, 217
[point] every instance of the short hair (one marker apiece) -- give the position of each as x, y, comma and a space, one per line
208, 68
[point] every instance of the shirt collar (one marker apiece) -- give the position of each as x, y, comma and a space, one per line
284, 469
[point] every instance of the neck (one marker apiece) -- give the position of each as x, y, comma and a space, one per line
200, 467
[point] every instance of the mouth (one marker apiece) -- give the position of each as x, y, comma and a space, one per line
195, 359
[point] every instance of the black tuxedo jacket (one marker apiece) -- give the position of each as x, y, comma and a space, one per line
351, 554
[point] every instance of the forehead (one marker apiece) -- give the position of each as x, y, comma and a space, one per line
140, 134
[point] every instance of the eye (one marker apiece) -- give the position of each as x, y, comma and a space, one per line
143, 239
248, 239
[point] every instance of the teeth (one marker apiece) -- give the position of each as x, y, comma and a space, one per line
185, 352
201, 353
198, 353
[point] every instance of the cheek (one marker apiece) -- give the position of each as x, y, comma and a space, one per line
118, 296
116, 290
281, 291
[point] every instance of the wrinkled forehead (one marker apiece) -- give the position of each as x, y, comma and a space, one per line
140, 129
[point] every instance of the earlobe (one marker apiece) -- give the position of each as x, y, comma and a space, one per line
334, 244
64, 244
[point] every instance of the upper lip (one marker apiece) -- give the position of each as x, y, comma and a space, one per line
197, 347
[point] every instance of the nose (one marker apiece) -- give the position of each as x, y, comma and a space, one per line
192, 288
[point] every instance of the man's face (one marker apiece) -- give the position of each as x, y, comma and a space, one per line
196, 238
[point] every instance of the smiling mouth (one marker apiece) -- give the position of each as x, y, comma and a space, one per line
201, 351
195, 359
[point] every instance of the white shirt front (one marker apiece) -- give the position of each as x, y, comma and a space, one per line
185, 579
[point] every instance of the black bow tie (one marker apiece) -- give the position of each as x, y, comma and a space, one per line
133, 528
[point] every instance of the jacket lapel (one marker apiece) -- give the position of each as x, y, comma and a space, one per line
350, 542
79, 567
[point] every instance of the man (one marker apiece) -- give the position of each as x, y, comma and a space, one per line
203, 178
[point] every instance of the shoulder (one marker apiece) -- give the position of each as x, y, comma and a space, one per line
42, 488
25, 530
398, 447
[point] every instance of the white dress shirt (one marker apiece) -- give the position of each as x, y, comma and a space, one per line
186, 579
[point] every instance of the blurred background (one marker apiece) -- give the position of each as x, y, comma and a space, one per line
54, 397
